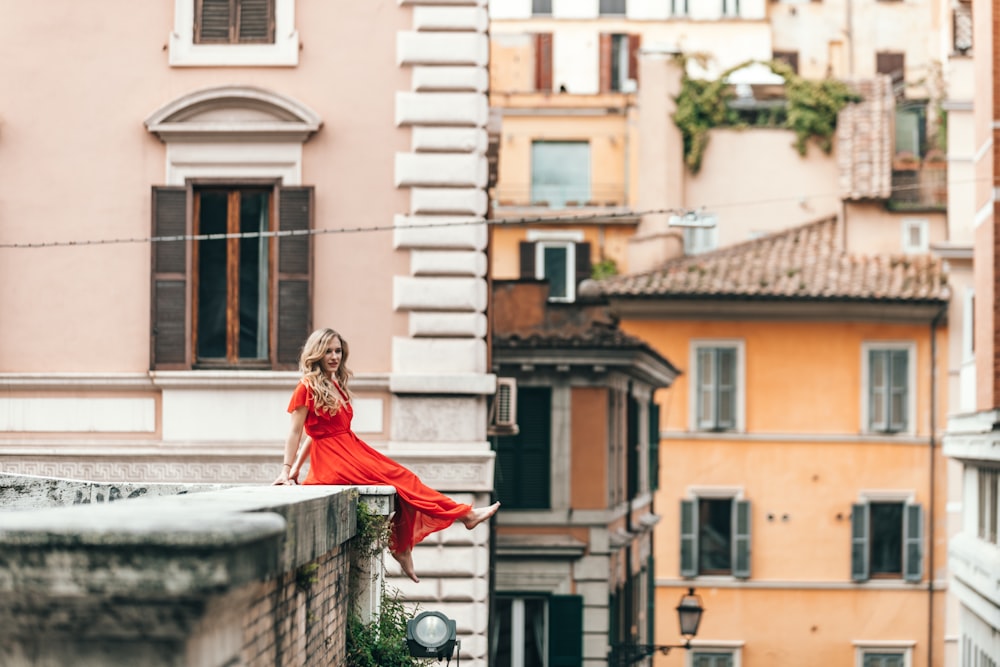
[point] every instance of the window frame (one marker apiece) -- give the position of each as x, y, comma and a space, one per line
733, 648
567, 240
185, 51
740, 542
922, 227
903, 648
581, 189
173, 315
913, 535
680, 8
603, 11
540, 11
233, 37
910, 401
564, 648
731, 9
739, 425
987, 508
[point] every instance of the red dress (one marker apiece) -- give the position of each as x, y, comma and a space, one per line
338, 456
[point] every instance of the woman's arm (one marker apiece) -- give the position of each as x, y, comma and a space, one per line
292, 444
300, 460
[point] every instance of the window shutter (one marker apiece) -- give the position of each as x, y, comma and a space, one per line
913, 543
726, 379
878, 379
654, 445
566, 631
522, 461
898, 380
255, 20
859, 542
527, 249
632, 446
741, 539
294, 312
583, 266
634, 42
169, 317
604, 74
650, 599
706, 393
689, 538
213, 20
543, 61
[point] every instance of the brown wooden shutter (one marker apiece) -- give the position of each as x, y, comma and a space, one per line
294, 293
604, 74
583, 267
543, 61
634, 42
255, 20
213, 20
527, 250
169, 304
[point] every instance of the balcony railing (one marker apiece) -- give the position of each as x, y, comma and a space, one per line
919, 184
559, 196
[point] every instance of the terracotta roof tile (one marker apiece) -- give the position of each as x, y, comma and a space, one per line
802, 263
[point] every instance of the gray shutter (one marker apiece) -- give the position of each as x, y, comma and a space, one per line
898, 380
913, 543
654, 445
878, 379
705, 377
859, 542
294, 293
213, 20
689, 538
725, 401
169, 317
255, 21
741, 539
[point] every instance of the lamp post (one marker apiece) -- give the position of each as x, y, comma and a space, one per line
689, 611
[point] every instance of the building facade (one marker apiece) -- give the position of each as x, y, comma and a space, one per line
232, 175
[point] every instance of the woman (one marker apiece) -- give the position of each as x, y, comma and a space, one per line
321, 405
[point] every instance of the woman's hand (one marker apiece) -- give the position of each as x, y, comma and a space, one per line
285, 478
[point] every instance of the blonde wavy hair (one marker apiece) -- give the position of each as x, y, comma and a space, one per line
326, 398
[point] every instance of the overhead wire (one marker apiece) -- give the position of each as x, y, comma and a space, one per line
469, 221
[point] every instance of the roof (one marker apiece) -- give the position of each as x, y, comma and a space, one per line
598, 336
803, 263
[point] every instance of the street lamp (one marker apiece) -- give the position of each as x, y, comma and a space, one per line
689, 611
431, 634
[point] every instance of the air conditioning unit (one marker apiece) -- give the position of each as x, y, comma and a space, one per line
503, 412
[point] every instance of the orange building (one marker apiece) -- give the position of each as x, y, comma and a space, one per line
801, 479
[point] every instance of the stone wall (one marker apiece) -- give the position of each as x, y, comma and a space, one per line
186, 575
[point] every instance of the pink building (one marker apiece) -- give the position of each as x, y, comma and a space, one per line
337, 141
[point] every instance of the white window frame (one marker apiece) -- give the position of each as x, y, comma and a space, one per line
699, 343
561, 239
680, 8
922, 225
982, 474
904, 497
967, 367
517, 626
861, 647
911, 379
734, 648
731, 9
734, 494
184, 52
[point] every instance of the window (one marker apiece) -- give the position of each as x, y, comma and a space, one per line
716, 387
679, 7
561, 258
712, 659
235, 33
537, 631
715, 537
893, 64
543, 61
915, 232
612, 7
889, 397
619, 63
560, 173
884, 654
523, 460
700, 239
731, 8
234, 21
887, 540
238, 302
790, 58
541, 7
988, 524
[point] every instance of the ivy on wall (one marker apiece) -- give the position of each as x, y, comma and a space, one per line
810, 109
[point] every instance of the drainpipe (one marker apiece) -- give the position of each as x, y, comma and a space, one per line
933, 487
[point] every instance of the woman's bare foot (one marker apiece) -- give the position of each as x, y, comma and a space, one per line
405, 561
477, 515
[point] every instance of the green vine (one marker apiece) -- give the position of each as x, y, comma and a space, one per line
382, 641
810, 110
604, 269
